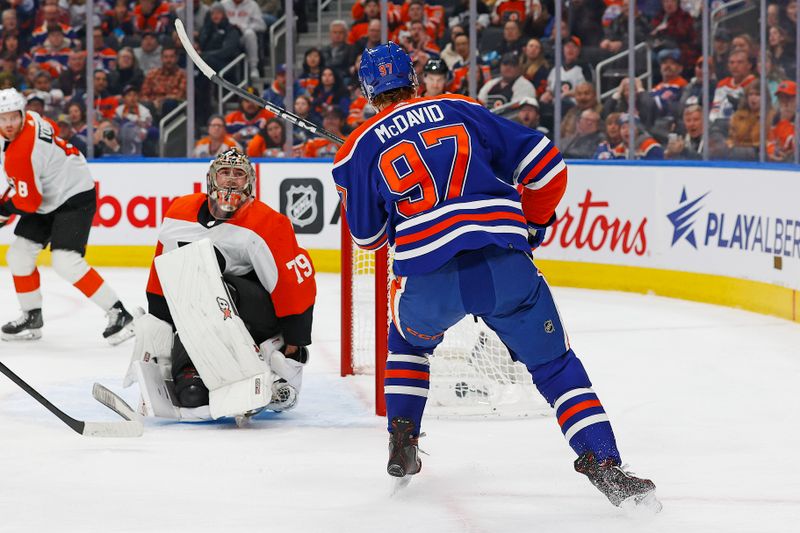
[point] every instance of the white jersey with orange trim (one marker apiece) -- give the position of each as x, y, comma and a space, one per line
439, 175
256, 239
44, 170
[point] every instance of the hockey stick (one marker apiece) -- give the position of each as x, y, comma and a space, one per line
211, 75
129, 428
113, 402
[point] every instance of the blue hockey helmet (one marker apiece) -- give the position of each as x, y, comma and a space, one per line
385, 67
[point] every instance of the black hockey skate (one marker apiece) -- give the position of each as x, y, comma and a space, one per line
120, 324
28, 327
620, 487
403, 449
190, 389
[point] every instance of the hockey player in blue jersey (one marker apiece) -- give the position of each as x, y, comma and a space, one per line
439, 179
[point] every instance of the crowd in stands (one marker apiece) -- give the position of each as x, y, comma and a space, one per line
139, 76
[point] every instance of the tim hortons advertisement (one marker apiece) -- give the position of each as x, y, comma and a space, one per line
732, 222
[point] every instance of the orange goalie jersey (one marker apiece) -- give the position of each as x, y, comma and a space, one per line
42, 169
255, 240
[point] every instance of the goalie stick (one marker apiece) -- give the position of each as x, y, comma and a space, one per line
269, 106
128, 428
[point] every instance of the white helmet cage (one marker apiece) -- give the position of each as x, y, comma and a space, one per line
224, 201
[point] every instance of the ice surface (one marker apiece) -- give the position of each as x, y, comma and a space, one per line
703, 401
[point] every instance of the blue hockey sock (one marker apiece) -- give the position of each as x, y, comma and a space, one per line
566, 386
405, 387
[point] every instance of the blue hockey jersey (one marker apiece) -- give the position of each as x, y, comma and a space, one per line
434, 176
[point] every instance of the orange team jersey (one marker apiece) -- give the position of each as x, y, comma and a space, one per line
317, 148
255, 239
356, 115
42, 169
781, 138
257, 147
203, 147
237, 122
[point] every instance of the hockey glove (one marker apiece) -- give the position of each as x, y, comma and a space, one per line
536, 232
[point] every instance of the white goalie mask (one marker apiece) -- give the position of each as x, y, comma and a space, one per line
231, 183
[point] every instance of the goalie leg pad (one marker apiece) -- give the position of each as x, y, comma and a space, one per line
217, 341
154, 338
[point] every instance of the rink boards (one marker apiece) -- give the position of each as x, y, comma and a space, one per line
719, 233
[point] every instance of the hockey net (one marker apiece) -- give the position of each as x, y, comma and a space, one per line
471, 371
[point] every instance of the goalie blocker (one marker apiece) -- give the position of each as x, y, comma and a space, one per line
231, 281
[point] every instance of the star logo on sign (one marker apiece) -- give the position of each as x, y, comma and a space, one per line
682, 219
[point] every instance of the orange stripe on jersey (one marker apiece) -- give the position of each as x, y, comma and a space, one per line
19, 168
153, 283
577, 408
407, 374
89, 283
472, 217
186, 207
27, 283
539, 205
540, 165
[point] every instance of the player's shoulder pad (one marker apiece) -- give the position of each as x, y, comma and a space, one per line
263, 220
185, 207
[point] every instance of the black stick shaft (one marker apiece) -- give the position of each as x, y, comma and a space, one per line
76, 425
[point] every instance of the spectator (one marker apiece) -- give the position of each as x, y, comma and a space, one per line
744, 43
151, 16
572, 73
105, 57
646, 147
460, 68
449, 54
312, 70
780, 46
743, 132
105, 103
583, 143
694, 89
76, 14
528, 114
690, 146
616, 33
270, 141
618, 103
322, 147
54, 54
106, 139
73, 79
774, 74
613, 136
51, 18
371, 11
729, 90
166, 86
246, 15
513, 40
415, 12
52, 98
118, 23
217, 140
35, 103
148, 53
585, 98
10, 23
421, 41
303, 109
339, 55
510, 87
790, 20
371, 37
666, 95
244, 123
535, 67
76, 115
219, 40
360, 110
722, 48
200, 12
781, 138
330, 93
674, 28
434, 77
584, 17
126, 73
130, 110
65, 132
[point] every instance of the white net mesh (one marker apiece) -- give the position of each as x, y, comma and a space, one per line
472, 372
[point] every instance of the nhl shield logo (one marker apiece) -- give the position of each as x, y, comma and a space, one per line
301, 205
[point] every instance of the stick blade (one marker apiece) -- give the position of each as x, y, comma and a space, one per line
129, 428
191, 52
111, 400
